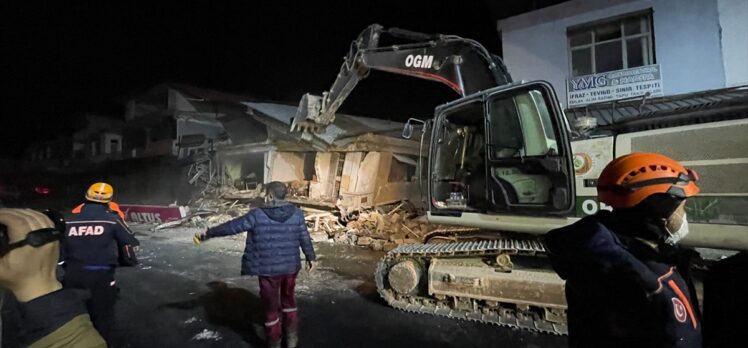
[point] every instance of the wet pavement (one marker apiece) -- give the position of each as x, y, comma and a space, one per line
186, 296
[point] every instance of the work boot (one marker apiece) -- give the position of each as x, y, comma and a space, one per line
292, 339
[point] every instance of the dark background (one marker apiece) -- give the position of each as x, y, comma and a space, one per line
59, 61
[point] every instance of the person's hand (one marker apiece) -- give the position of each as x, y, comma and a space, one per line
198, 238
29, 272
311, 265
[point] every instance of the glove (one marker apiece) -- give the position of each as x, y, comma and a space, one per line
127, 256
198, 238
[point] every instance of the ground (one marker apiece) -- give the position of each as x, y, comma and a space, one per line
187, 296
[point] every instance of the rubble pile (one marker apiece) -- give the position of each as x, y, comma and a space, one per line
380, 229
298, 189
209, 211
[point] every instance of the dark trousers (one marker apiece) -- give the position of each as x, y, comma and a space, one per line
278, 296
103, 295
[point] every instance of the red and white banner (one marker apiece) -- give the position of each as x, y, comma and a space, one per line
152, 214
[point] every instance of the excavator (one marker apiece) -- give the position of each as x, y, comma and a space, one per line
501, 162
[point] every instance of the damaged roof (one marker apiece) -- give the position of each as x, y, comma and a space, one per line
344, 126
647, 113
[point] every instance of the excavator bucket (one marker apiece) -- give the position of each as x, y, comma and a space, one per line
309, 114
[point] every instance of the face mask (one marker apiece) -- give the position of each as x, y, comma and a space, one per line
675, 236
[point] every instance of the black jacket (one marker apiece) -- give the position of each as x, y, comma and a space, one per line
622, 292
93, 235
275, 234
59, 317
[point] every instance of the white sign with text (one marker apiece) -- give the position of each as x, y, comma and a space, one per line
614, 85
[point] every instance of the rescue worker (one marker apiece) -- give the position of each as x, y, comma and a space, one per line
275, 233
95, 237
628, 282
49, 316
111, 204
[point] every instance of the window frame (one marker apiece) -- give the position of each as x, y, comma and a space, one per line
591, 27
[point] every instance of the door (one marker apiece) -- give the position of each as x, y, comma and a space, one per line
503, 151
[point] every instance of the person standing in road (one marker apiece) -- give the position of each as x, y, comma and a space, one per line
96, 241
628, 281
275, 234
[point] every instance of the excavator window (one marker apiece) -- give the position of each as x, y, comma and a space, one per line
502, 153
459, 159
524, 117
526, 169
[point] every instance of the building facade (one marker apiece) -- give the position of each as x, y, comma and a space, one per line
603, 50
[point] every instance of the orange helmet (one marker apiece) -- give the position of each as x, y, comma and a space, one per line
100, 192
630, 179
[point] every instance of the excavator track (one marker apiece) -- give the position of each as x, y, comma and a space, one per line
501, 314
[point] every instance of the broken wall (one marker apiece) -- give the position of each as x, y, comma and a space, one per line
377, 178
369, 172
361, 178
396, 181
358, 179
287, 166
239, 168
325, 175
349, 179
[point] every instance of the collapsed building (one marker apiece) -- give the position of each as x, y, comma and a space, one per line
353, 164
184, 145
228, 145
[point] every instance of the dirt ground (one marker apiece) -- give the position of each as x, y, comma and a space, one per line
187, 296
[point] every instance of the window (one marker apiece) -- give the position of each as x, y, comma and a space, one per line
114, 146
520, 127
402, 169
623, 43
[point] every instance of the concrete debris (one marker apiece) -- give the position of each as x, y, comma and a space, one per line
181, 222
298, 189
380, 229
245, 194
319, 236
207, 335
364, 241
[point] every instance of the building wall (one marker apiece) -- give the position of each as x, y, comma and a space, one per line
239, 166
733, 15
368, 172
287, 166
107, 145
686, 39
325, 168
349, 179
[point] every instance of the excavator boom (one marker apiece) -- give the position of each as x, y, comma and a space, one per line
462, 64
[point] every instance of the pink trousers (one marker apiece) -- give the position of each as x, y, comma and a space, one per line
277, 294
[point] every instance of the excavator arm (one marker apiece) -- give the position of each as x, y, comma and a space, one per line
463, 65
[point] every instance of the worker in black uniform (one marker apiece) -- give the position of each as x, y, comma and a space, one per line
94, 243
628, 281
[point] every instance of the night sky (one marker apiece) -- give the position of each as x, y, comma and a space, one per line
62, 60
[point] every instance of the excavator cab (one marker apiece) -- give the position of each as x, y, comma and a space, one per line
504, 151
